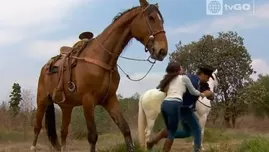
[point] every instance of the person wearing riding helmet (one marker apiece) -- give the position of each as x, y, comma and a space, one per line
175, 85
190, 122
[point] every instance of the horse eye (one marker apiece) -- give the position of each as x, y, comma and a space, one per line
151, 18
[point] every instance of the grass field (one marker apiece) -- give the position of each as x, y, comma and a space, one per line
216, 140
16, 134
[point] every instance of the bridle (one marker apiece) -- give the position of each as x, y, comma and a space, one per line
151, 31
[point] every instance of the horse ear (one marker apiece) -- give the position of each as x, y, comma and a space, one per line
216, 71
157, 5
143, 3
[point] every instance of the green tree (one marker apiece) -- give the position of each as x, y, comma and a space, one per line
136, 96
15, 99
120, 97
256, 95
227, 53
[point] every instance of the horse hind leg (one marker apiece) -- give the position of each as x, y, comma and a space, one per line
42, 105
151, 117
88, 108
113, 108
151, 141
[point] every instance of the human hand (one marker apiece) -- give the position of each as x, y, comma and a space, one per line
202, 95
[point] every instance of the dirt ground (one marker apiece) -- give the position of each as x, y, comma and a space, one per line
72, 145
83, 146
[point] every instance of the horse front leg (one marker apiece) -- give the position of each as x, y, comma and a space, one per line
88, 108
202, 120
112, 106
66, 117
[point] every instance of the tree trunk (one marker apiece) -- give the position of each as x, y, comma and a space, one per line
234, 115
215, 118
233, 121
227, 118
227, 121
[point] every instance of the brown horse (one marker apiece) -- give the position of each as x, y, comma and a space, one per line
95, 77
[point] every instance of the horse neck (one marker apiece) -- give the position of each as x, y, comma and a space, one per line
211, 85
114, 39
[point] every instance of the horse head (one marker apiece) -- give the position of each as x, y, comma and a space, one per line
213, 84
147, 28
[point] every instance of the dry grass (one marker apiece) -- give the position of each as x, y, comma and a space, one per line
16, 134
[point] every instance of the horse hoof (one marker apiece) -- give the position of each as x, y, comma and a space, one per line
33, 149
132, 148
63, 149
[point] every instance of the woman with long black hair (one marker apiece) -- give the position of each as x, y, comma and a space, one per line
175, 85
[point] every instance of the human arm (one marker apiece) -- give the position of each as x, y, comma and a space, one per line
190, 87
208, 93
204, 87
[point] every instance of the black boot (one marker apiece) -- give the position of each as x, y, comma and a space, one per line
167, 145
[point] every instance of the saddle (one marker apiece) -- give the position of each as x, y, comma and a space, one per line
65, 61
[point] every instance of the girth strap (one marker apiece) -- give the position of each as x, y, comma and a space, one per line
96, 62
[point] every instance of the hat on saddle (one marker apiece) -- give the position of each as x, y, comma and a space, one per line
207, 69
86, 35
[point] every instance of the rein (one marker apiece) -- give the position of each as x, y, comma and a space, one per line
128, 58
204, 104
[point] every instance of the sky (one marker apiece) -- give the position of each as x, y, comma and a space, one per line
32, 31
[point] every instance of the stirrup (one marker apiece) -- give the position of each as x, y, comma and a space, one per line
71, 86
55, 93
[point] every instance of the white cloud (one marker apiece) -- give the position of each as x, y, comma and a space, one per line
261, 66
45, 49
34, 12
187, 29
8, 36
25, 20
22, 19
229, 22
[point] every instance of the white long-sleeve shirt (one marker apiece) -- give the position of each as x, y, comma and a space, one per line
177, 87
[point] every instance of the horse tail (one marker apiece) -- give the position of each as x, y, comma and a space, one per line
50, 124
141, 123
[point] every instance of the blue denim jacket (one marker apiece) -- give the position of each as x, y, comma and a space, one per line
190, 100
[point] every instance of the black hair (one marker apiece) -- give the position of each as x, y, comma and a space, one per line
172, 70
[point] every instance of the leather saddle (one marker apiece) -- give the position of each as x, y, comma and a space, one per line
77, 48
65, 61
84, 36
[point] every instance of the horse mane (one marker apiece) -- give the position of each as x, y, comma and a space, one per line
150, 9
213, 83
120, 14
